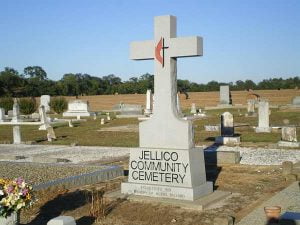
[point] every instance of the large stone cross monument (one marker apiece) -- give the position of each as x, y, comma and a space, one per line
165, 49
167, 164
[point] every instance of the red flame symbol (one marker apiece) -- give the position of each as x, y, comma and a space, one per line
158, 49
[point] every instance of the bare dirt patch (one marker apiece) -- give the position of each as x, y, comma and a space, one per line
250, 186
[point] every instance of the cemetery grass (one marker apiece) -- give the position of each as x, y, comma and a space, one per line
250, 186
89, 133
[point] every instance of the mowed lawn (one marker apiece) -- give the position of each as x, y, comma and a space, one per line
89, 133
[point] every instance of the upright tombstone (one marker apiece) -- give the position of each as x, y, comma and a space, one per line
225, 95
193, 108
167, 164
43, 117
16, 112
251, 107
289, 137
78, 108
17, 134
227, 130
149, 102
178, 106
296, 102
45, 101
2, 115
263, 117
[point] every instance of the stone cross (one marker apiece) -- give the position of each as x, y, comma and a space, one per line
227, 127
45, 101
165, 49
43, 117
16, 111
148, 109
2, 115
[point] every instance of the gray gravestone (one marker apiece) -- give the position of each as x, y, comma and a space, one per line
131, 109
16, 112
251, 107
62, 220
227, 128
50, 134
289, 134
296, 101
263, 117
149, 102
193, 108
45, 101
17, 134
78, 108
224, 95
227, 131
178, 106
2, 115
167, 164
43, 117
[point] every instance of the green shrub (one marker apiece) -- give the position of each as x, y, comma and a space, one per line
58, 104
27, 105
6, 103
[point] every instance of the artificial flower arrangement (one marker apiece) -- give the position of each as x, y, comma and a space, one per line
14, 195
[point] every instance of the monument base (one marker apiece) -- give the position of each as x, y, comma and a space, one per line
289, 144
77, 113
263, 130
228, 140
167, 173
159, 191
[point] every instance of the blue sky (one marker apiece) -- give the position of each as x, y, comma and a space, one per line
243, 39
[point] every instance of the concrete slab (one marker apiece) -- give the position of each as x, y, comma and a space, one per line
288, 199
199, 204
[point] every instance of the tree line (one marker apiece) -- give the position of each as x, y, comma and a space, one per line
33, 82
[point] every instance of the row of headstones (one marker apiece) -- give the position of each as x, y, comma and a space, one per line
288, 133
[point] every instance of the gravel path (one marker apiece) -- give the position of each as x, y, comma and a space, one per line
85, 154
36, 173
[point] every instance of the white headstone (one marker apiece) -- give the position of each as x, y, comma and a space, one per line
263, 117
250, 106
224, 95
43, 117
78, 108
16, 112
17, 134
62, 220
227, 127
102, 121
193, 108
45, 101
167, 164
2, 115
50, 134
178, 106
149, 103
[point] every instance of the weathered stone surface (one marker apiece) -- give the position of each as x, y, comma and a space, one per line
16, 112
17, 134
289, 134
212, 128
228, 140
43, 117
149, 102
62, 220
222, 157
287, 167
2, 115
290, 177
129, 109
45, 101
193, 108
178, 106
50, 134
224, 95
227, 127
296, 101
78, 108
263, 117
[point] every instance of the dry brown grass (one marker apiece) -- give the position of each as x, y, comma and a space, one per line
106, 102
